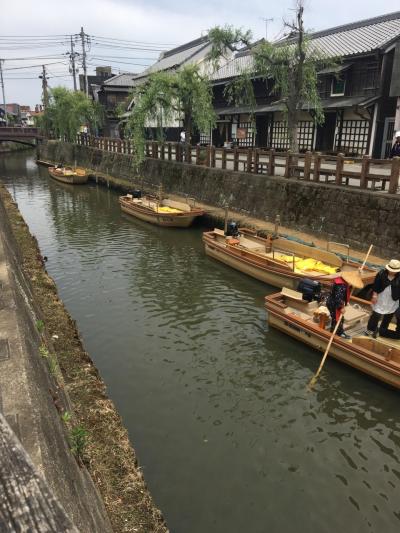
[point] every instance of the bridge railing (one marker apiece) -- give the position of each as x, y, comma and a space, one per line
19, 131
363, 173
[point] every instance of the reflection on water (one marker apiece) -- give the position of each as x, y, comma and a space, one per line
215, 403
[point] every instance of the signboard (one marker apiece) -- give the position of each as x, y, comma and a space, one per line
241, 133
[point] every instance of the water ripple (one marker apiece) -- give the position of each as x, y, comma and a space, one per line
214, 400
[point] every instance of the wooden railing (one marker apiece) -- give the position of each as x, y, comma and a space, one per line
364, 172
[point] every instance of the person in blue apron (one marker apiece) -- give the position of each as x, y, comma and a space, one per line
385, 300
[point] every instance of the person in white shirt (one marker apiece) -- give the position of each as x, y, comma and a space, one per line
385, 300
183, 136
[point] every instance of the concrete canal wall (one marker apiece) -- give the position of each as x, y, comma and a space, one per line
342, 214
49, 387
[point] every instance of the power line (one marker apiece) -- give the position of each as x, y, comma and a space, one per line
129, 41
32, 66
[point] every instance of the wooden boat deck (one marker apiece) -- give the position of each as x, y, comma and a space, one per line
380, 357
256, 246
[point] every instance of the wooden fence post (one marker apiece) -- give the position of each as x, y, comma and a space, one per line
364, 171
249, 160
188, 154
256, 158
197, 154
288, 165
394, 175
223, 158
177, 152
307, 165
271, 162
162, 151
339, 169
212, 156
235, 159
317, 166
155, 149
169, 151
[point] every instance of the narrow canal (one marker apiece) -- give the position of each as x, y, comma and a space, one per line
215, 403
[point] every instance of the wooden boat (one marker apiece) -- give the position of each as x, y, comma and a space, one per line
68, 175
166, 212
279, 262
380, 357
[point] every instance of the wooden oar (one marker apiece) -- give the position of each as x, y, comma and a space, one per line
315, 377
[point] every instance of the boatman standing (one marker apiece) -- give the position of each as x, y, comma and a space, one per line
385, 300
339, 297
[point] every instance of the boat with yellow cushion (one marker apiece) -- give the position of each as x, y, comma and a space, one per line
279, 262
72, 176
165, 212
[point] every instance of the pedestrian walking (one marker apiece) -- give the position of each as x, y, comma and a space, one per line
395, 151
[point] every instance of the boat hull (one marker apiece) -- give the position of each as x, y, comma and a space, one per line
179, 220
344, 351
262, 269
74, 179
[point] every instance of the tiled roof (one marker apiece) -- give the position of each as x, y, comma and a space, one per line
175, 57
121, 80
342, 41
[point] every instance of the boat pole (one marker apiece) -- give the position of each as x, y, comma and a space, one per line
315, 377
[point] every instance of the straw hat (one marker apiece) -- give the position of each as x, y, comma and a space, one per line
393, 266
352, 277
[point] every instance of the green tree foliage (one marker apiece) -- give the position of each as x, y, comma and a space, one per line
67, 112
184, 95
290, 67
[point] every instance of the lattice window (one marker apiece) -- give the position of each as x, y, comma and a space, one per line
248, 140
305, 135
354, 137
204, 138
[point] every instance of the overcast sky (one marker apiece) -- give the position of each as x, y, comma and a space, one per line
151, 21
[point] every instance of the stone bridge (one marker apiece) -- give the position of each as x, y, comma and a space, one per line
29, 136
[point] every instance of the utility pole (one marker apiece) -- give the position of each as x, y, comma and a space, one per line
2, 88
83, 36
45, 94
266, 26
72, 59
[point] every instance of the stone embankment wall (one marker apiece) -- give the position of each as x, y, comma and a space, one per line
45, 374
342, 214
33, 398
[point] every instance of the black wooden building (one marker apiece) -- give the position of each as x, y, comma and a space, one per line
359, 95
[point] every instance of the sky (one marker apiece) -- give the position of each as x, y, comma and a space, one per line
154, 25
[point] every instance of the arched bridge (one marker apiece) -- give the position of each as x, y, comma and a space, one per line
30, 136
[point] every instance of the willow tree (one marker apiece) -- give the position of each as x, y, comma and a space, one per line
184, 95
67, 111
291, 65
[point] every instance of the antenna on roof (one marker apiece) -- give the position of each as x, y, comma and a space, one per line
266, 20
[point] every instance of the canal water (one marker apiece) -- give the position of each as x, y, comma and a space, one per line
215, 402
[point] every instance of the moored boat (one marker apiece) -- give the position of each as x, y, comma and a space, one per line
279, 262
380, 357
165, 212
68, 175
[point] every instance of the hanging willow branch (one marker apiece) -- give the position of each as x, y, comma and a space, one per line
184, 95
